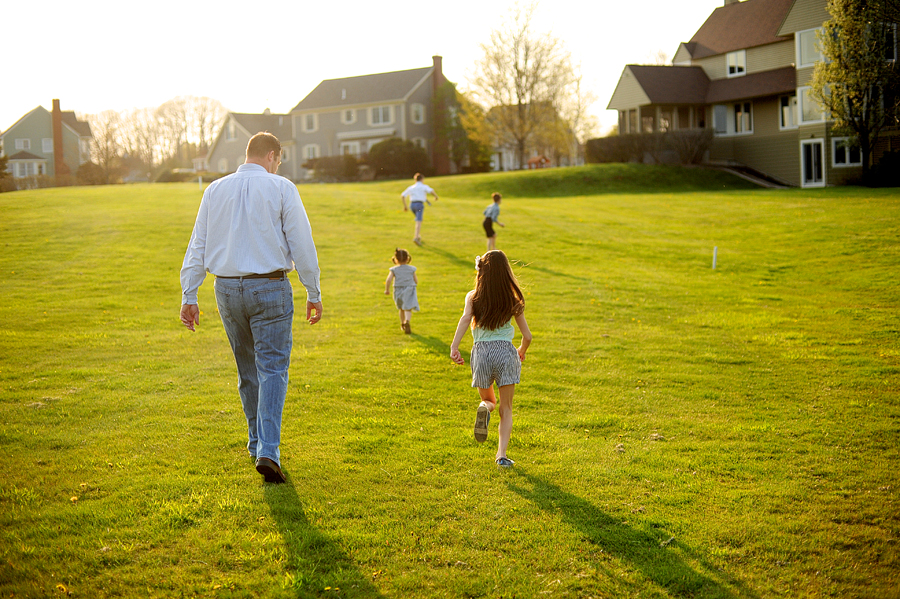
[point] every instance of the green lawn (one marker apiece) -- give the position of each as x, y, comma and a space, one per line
680, 431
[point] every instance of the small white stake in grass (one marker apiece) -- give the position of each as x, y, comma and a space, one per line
715, 252
200, 183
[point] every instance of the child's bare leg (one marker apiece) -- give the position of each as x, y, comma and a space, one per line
488, 397
418, 228
402, 313
407, 315
506, 418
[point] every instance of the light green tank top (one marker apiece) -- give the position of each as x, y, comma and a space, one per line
504, 332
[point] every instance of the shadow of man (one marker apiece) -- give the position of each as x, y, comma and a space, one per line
315, 562
655, 554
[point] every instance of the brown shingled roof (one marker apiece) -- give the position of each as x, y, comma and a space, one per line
672, 85
740, 25
756, 85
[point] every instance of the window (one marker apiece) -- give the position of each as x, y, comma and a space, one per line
665, 119
23, 144
311, 152
788, 114
350, 147
284, 154
47, 145
420, 142
223, 165
890, 42
720, 119
230, 132
348, 116
743, 118
737, 63
85, 146
310, 123
809, 108
845, 153
632, 121
417, 113
808, 48
381, 115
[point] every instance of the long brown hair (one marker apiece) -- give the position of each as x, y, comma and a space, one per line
497, 295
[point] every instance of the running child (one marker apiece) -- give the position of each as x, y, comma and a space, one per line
418, 194
404, 277
491, 213
489, 311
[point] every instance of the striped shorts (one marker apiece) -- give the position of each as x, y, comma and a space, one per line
495, 361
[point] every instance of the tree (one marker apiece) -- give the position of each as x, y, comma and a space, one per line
6, 178
856, 83
522, 76
105, 146
464, 127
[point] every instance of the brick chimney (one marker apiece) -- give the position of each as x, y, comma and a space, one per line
440, 152
60, 168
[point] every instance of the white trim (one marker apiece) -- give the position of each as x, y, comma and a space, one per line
304, 117
834, 146
740, 63
384, 132
352, 118
381, 108
797, 48
730, 130
821, 143
412, 113
802, 93
315, 151
795, 113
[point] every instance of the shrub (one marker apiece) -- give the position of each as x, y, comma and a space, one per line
334, 168
90, 174
689, 145
395, 157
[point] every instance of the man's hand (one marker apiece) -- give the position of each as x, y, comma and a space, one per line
310, 317
190, 315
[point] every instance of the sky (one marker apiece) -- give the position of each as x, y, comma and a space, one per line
98, 55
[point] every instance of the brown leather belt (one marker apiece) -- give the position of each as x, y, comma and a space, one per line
278, 274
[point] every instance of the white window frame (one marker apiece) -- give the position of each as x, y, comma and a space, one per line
23, 144
311, 152
304, 121
417, 114
230, 132
47, 145
728, 113
420, 142
351, 112
736, 65
802, 98
223, 165
843, 141
380, 111
799, 37
803, 143
350, 147
793, 112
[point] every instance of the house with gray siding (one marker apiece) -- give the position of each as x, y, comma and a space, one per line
745, 73
345, 116
46, 143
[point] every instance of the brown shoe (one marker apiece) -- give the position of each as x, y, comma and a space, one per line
270, 470
406, 328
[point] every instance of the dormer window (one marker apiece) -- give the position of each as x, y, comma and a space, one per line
737, 63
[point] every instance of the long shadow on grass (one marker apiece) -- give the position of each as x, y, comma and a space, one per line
450, 257
440, 347
652, 553
315, 562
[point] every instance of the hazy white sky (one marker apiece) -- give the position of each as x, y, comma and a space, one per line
98, 55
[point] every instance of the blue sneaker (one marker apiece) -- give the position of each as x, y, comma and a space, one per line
482, 420
504, 462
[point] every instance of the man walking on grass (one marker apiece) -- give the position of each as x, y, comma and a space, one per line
250, 232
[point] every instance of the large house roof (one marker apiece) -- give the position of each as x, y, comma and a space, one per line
82, 128
755, 85
277, 124
365, 89
690, 85
738, 26
672, 85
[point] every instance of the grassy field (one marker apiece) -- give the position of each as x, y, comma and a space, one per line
680, 431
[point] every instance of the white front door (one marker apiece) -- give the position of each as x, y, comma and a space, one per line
812, 163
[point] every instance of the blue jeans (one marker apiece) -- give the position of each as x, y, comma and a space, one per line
258, 316
417, 209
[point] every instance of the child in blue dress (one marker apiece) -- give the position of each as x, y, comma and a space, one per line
489, 311
404, 277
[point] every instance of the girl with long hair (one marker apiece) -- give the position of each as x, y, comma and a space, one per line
489, 311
